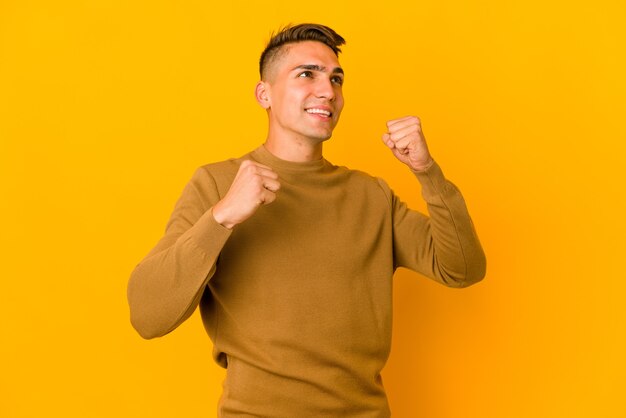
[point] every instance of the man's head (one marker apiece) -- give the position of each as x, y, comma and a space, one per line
301, 83
293, 34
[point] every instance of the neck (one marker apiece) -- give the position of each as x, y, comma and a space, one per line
298, 150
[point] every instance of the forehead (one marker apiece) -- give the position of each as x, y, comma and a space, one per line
305, 53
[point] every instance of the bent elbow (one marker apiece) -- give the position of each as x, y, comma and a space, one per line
142, 322
144, 318
144, 328
470, 280
475, 272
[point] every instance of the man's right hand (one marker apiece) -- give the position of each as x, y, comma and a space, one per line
254, 185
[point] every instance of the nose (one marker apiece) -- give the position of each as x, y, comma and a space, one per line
325, 89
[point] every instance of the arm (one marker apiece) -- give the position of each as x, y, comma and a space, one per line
443, 246
166, 286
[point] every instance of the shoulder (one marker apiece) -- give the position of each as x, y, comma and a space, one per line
213, 179
218, 169
365, 181
220, 172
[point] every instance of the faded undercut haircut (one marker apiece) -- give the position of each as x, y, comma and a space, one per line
298, 33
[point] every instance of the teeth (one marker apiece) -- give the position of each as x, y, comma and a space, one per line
318, 111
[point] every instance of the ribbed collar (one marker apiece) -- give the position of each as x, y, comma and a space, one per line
262, 155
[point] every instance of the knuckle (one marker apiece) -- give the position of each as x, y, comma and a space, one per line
246, 167
414, 121
251, 169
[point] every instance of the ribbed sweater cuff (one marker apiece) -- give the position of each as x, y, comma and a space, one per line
433, 182
208, 235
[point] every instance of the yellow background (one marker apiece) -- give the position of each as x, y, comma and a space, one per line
107, 107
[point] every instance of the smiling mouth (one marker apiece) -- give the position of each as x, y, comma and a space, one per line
316, 111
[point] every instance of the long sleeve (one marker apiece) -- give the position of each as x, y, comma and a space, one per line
444, 245
166, 286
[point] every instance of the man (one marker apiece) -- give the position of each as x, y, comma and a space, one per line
291, 258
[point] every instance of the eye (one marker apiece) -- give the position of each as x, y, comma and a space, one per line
337, 80
304, 74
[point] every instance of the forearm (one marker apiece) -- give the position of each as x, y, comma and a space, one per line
457, 256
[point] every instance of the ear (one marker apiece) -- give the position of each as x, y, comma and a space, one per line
262, 94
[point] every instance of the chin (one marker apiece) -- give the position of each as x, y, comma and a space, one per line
321, 136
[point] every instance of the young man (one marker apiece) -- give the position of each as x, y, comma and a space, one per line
291, 258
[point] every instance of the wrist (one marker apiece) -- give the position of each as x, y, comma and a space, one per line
221, 217
418, 168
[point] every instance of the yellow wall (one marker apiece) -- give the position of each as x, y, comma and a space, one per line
107, 107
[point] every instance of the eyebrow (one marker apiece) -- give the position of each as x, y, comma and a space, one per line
315, 67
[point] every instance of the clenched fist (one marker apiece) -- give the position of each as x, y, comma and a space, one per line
254, 185
405, 139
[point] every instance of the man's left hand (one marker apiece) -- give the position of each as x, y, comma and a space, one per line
406, 140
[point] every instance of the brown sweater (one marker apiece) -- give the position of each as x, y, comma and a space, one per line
297, 299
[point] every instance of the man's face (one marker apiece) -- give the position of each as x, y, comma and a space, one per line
304, 92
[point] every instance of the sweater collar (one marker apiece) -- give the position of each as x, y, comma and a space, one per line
262, 155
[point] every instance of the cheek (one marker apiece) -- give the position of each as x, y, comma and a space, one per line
339, 101
290, 108
291, 98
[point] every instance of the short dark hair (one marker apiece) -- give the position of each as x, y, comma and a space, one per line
298, 33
